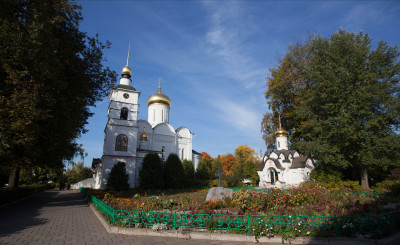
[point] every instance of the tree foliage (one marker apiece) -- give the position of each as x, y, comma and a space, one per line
151, 174
78, 172
188, 169
227, 163
118, 178
246, 163
339, 99
50, 74
204, 169
174, 174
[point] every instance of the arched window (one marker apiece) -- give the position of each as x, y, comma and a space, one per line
121, 143
124, 114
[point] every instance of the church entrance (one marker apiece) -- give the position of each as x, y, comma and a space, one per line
273, 176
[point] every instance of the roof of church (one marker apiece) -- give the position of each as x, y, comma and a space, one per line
195, 152
285, 153
95, 162
276, 161
127, 87
299, 162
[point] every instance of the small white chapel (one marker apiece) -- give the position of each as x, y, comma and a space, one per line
283, 167
128, 139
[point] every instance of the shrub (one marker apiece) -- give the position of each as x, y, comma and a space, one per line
8, 195
326, 174
214, 182
118, 178
388, 186
151, 174
173, 172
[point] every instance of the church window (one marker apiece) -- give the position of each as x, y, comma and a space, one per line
183, 153
124, 113
154, 114
121, 143
279, 145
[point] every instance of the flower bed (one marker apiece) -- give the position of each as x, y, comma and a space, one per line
314, 211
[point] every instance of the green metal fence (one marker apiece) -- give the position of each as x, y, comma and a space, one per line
323, 225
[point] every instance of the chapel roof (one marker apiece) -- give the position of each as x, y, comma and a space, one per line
276, 161
285, 153
299, 162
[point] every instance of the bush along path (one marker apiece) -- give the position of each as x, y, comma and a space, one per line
251, 223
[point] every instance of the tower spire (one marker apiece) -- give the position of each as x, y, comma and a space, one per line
129, 50
126, 71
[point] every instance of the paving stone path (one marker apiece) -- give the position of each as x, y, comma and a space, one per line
63, 217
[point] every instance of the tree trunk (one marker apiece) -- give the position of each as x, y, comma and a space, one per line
14, 177
364, 176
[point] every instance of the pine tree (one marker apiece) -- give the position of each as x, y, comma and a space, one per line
174, 175
118, 178
188, 169
151, 174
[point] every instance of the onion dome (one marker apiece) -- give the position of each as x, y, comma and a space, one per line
127, 70
281, 132
159, 98
143, 135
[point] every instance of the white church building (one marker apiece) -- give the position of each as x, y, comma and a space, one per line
284, 167
128, 139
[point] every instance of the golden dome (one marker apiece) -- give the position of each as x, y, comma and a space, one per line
281, 132
159, 98
126, 70
143, 136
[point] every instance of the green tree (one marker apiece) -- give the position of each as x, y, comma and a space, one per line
188, 169
50, 75
78, 172
204, 168
246, 163
118, 178
340, 102
174, 174
151, 174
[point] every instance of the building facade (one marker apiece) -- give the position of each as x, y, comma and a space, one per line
128, 140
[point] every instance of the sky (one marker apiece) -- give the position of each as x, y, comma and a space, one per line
214, 57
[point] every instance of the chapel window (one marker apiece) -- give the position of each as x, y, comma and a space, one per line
124, 113
121, 143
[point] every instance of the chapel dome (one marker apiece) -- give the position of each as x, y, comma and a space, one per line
126, 70
159, 98
281, 132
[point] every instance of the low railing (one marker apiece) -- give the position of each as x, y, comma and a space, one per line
322, 225
104, 208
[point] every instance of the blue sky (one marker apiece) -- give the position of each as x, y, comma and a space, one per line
214, 56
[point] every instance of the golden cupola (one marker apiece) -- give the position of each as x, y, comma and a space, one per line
159, 97
143, 135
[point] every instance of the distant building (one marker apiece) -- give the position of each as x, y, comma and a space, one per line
284, 167
128, 139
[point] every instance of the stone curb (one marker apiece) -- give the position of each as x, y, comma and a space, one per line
392, 240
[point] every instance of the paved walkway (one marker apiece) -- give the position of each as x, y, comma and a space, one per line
63, 217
